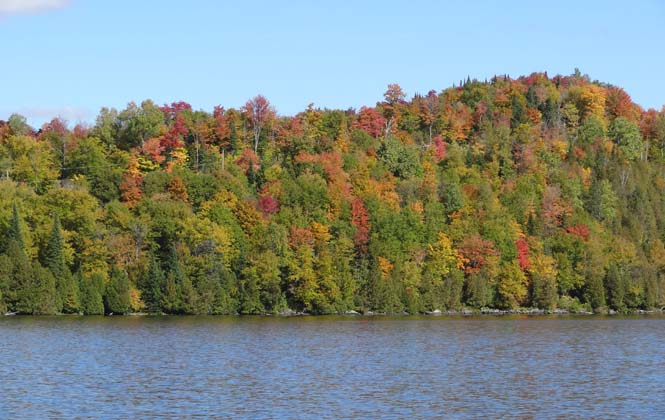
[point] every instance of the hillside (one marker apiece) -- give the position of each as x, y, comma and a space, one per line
531, 192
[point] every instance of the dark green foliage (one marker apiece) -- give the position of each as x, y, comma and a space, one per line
91, 294
15, 232
400, 159
67, 299
116, 295
153, 284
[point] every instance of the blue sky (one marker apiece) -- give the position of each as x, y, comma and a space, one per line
71, 57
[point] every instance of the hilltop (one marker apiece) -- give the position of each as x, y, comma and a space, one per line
538, 191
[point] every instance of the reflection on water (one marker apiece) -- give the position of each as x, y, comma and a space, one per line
332, 367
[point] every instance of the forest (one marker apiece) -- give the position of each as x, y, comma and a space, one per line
536, 192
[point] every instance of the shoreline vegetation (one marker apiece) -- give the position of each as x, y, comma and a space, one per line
537, 192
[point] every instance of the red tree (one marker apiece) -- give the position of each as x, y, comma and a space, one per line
268, 204
475, 250
439, 149
523, 253
370, 121
360, 219
259, 112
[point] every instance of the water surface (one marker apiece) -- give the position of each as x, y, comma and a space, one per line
332, 367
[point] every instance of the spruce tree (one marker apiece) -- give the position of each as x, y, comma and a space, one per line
170, 298
91, 295
43, 299
15, 232
153, 284
116, 296
53, 258
6, 277
20, 293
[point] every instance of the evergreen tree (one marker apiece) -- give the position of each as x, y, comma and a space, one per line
116, 296
67, 294
43, 294
153, 285
6, 279
91, 295
20, 290
3, 306
15, 232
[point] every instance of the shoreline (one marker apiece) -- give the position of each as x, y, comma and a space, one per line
485, 312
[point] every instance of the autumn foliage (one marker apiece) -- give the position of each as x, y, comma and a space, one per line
536, 191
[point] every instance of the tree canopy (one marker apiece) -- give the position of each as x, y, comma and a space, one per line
531, 192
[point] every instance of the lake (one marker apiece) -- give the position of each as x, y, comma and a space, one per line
332, 367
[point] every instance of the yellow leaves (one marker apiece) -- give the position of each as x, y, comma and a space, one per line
383, 190
320, 232
429, 184
542, 265
622, 251
513, 285
195, 231
657, 255
417, 207
560, 147
337, 191
224, 197
589, 99
273, 173
585, 176
135, 302
385, 266
178, 158
143, 164
93, 257
608, 146
134, 165
343, 139
248, 217
443, 258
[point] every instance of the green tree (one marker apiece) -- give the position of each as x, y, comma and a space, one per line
53, 259
91, 296
15, 232
626, 134
116, 295
153, 284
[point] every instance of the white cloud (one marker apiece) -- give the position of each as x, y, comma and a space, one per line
11, 7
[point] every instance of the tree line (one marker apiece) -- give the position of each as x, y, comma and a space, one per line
538, 191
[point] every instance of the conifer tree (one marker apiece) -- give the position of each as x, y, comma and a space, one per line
67, 299
15, 232
116, 296
91, 296
153, 284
